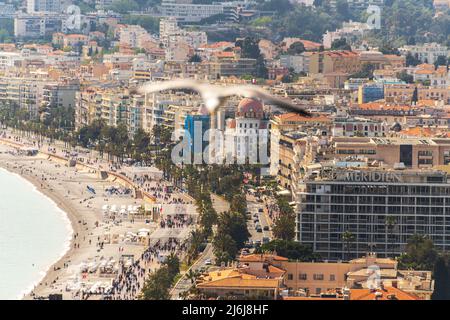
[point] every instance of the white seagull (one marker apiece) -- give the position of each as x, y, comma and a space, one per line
215, 96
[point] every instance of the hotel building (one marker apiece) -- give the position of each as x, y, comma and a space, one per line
332, 201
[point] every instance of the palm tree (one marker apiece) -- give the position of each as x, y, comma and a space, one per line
196, 241
192, 275
348, 238
391, 221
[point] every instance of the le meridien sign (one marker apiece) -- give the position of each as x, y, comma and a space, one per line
362, 176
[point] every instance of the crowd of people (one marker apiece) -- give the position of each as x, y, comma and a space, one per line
130, 280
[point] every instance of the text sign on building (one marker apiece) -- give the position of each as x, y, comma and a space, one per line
360, 176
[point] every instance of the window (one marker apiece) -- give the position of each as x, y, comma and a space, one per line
290, 276
303, 276
318, 276
332, 277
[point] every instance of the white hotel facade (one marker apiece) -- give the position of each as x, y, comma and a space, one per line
331, 201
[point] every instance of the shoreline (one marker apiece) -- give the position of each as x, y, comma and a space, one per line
69, 225
67, 212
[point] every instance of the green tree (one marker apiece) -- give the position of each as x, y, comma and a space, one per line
296, 48
412, 60
365, 72
124, 6
224, 248
341, 44
420, 254
157, 285
284, 227
195, 58
440, 61
404, 76
348, 238
292, 250
172, 263
441, 280
391, 222
387, 48
415, 96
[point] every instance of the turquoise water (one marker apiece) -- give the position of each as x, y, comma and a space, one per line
34, 234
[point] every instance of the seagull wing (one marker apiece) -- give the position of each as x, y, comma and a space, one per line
173, 85
258, 93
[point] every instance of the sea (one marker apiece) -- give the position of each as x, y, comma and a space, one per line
34, 234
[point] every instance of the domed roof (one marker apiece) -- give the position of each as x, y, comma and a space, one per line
250, 108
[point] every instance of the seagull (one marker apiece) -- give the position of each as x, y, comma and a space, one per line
215, 96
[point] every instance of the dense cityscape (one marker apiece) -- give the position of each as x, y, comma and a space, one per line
226, 150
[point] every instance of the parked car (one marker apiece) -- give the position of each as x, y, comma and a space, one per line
208, 262
259, 229
266, 228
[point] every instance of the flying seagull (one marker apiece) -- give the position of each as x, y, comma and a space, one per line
215, 96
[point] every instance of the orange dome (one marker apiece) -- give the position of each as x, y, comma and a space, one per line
250, 108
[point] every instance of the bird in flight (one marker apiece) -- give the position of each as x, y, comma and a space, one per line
215, 96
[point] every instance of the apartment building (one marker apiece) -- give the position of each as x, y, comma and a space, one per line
171, 33
403, 93
10, 59
325, 62
435, 78
300, 63
360, 4
69, 40
427, 52
345, 126
295, 140
134, 36
369, 92
350, 30
36, 92
7, 10
38, 25
189, 12
55, 6
231, 66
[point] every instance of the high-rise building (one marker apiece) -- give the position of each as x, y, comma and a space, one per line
55, 6
195, 128
345, 213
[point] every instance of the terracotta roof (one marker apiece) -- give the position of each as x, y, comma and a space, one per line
224, 54
425, 132
344, 53
389, 293
241, 282
425, 66
292, 116
367, 294
217, 45
308, 298
424, 71
310, 45
382, 106
261, 258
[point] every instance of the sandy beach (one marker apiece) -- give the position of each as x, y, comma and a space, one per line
67, 187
